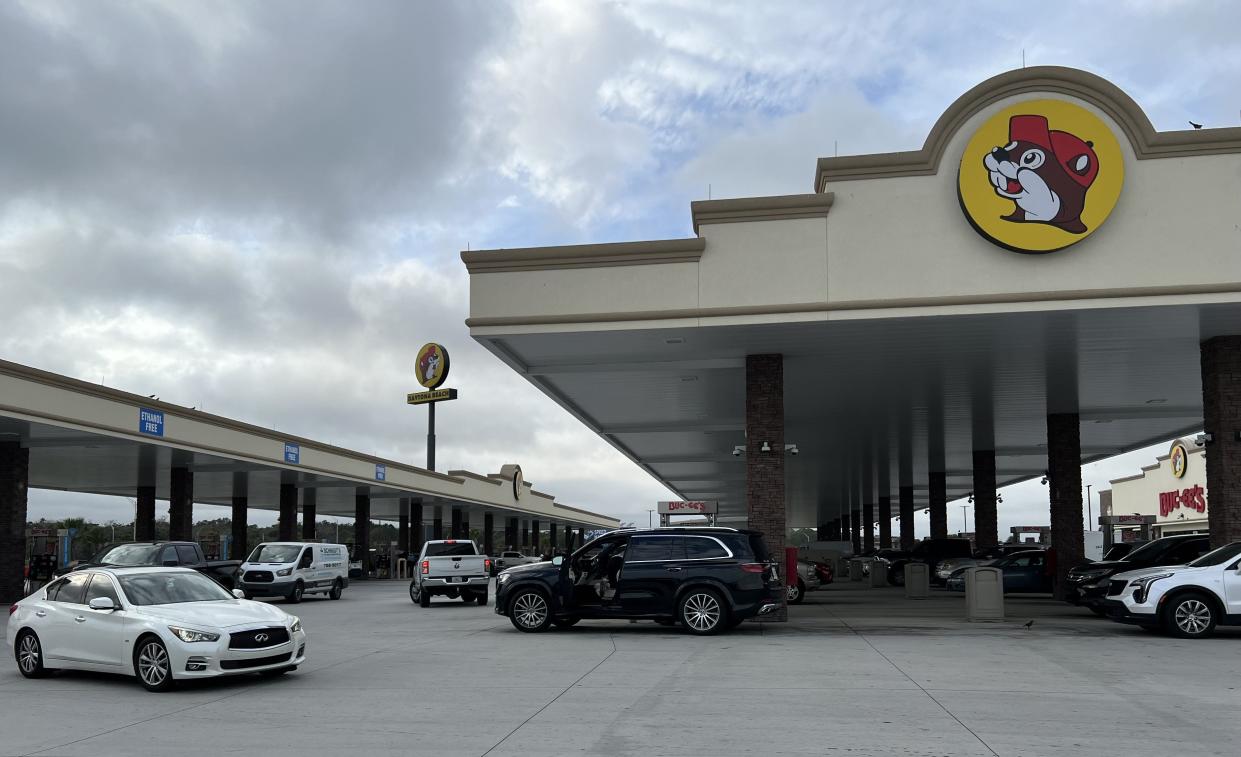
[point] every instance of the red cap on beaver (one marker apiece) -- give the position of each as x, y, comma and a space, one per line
1075, 156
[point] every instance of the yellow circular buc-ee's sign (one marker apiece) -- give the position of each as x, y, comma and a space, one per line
1040, 176
432, 367
1179, 457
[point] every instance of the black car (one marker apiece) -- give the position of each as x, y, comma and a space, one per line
705, 579
1004, 550
1087, 584
929, 551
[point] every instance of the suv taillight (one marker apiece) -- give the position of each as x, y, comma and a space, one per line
754, 567
426, 567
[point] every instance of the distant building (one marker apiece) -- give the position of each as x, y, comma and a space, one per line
1173, 490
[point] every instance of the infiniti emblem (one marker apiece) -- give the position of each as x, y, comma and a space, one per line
261, 637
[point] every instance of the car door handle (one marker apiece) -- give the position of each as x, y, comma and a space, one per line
40, 614
80, 619
673, 569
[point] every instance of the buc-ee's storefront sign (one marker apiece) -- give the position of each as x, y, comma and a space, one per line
702, 507
1192, 498
1040, 176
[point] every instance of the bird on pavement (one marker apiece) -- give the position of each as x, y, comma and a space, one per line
1029, 625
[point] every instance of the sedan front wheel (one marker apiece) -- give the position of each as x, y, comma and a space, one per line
153, 666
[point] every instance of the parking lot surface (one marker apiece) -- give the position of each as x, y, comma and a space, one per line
855, 672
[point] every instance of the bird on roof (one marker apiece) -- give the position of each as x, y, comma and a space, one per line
1196, 126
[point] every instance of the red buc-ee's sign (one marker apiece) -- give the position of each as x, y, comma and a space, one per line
1193, 498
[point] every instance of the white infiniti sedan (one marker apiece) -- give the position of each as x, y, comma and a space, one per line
158, 624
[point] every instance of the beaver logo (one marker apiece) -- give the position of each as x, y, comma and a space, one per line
432, 367
1045, 173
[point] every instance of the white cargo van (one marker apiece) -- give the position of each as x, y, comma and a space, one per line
291, 569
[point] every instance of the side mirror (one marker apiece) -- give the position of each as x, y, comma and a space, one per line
102, 603
558, 560
239, 593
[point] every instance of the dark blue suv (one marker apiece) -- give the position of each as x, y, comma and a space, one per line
704, 579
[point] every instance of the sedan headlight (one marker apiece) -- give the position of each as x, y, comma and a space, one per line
1142, 585
189, 634
297, 624
284, 572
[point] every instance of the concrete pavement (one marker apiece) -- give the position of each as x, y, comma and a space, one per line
856, 672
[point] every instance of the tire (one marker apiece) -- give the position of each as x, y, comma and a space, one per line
337, 590
796, 593
1190, 616
152, 665
28, 652
530, 611
565, 622
702, 612
424, 598
295, 596
413, 592
482, 598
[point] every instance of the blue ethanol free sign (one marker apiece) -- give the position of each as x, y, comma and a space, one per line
292, 453
381, 472
151, 422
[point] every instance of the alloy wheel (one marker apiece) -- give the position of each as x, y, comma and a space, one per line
1193, 616
530, 609
702, 612
28, 654
153, 663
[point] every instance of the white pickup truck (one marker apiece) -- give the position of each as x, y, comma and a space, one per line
513, 559
452, 568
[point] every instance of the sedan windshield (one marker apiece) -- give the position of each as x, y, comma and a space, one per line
171, 588
128, 554
281, 553
1218, 556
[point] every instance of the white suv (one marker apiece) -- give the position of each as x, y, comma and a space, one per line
1185, 600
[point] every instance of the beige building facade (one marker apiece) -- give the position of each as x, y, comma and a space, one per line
1174, 492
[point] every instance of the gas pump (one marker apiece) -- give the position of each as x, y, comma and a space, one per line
42, 557
1110, 523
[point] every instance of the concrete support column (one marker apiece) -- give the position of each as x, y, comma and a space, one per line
1221, 414
489, 527
552, 533
437, 524
833, 530
181, 504
510, 534
144, 514
418, 535
845, 534
525, 534
906, 495
362, 528
986, 528
288, 512
536, 540
885, 522
1064, 483
764, 471
310, 515
855, 520
455, 532
823, 533
14, 481
402, 525
465, 524
581, 536
938, 482
239, 549
868, 527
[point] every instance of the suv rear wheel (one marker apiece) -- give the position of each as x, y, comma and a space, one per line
1190, 616
702, 612
796, 592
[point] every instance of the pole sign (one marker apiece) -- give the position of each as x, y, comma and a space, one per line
151, 422
694, 507
292, 453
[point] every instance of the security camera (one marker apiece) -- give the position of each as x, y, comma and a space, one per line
739, 450
1202, 439
794, 451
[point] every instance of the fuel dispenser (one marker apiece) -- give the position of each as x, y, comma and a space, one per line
42, 557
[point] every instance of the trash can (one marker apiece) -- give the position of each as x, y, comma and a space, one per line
917, 580
855, 569
878, 574
840, 568
984, 594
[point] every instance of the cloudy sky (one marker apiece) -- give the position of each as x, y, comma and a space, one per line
256, 208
